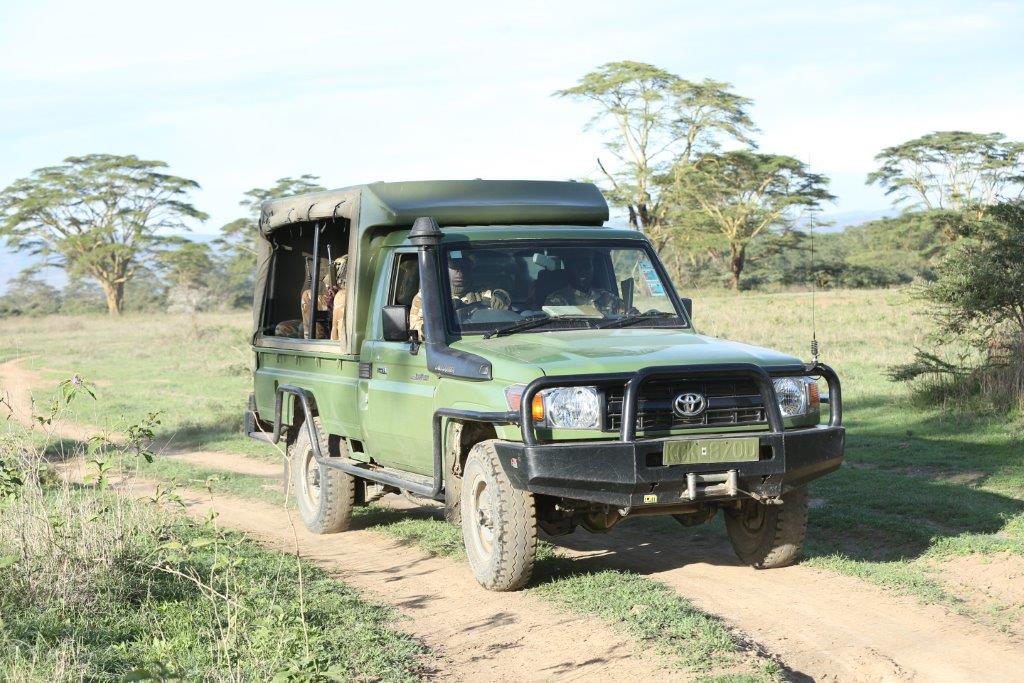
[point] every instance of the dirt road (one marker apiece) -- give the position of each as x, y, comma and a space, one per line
478, 635
821, 625
824, 625
828, 626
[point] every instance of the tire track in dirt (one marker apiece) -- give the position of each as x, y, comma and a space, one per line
825, 625
230, 462
477, 635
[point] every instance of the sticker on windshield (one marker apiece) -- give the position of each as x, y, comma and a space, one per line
654, 285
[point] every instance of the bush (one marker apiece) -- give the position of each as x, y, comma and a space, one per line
977, 302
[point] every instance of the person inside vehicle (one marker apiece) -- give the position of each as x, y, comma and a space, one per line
466, 295
330, 303
579, 290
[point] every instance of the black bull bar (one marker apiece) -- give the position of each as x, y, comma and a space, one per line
628, 471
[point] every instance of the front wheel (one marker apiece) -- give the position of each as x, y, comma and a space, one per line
325, 495
769, 536
499, 523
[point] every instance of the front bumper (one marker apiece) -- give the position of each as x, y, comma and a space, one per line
630, 474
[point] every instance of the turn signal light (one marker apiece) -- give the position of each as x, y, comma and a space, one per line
514, 399
813, 395
537, 409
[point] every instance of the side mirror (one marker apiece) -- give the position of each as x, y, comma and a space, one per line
688, 306
395, 323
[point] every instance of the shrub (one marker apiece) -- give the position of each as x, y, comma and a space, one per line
977, 302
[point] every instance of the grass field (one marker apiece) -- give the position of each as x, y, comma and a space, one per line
924, 488
103, 586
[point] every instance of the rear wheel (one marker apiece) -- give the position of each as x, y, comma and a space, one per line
325, 495
499, 523
769, 536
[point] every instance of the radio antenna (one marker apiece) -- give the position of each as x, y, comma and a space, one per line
814, 288
814, 328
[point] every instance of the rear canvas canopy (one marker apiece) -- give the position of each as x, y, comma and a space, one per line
366, 208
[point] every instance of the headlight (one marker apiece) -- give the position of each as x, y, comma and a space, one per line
797, 395
572, 407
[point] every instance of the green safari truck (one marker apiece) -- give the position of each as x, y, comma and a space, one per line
492, 345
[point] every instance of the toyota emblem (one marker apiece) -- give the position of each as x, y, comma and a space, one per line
690, 404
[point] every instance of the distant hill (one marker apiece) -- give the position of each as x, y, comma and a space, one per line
844, 219
13, 262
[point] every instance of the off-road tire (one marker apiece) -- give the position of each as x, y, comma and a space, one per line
769, 536
505, 563
331, 509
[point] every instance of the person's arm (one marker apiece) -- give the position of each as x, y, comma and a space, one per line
416, 315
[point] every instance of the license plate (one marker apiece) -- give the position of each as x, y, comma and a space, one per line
698, 451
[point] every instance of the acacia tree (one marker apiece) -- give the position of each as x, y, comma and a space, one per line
952, 170
742, 195
238, 238
193, 274
99, 215
654, 120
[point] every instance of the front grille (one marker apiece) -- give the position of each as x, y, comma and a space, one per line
731, 403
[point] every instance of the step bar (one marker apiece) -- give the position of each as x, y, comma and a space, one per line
414, 484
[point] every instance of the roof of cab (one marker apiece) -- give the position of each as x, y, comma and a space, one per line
503, 233
450, 202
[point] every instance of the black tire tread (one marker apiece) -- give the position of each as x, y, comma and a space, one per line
783, 541
337, 489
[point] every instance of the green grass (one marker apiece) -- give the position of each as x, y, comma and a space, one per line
656, 616
193, 371
101, 587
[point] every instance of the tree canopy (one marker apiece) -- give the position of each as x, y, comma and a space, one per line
953, 170
654, 120
742, 195
99, 215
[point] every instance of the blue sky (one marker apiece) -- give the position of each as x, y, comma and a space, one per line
236, 95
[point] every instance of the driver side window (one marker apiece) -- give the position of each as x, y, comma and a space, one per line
405, 289
405, 282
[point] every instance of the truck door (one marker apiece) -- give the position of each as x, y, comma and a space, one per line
397, 400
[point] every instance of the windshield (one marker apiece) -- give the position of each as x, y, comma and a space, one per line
555, 285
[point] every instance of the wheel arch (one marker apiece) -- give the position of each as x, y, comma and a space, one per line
460, 436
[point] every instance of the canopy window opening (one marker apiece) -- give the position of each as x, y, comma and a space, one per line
307, 287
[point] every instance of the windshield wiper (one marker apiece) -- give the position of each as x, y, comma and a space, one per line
637, 318
532, 322
524, 324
